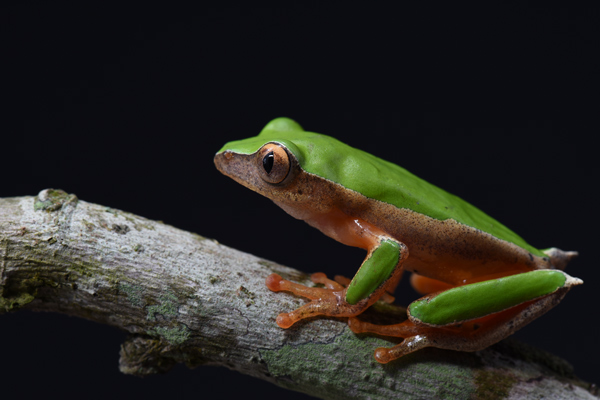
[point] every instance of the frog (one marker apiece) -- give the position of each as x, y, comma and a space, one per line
480, 282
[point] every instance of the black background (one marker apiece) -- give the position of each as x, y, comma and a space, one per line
126, 106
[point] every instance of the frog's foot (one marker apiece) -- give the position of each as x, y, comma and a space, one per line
414, 338
327, 301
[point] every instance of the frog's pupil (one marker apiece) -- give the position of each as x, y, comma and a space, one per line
268, 161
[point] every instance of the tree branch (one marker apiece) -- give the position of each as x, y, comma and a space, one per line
187, 299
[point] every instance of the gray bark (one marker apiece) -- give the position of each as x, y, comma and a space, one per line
187, 299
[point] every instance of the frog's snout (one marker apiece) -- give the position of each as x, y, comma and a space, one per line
234, 165
221, 160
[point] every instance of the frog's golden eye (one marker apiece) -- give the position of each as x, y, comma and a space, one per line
273, 163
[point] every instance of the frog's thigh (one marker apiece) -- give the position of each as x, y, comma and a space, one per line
476, 300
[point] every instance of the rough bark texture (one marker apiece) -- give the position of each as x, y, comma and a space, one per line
185, 298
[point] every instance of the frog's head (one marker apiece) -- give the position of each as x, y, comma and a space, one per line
270, 163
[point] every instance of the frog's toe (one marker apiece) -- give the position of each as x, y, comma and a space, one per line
342, 280
277, 284
273, 282
410, 344
382, 355
284, 321
319, 277
356, 325
311, 309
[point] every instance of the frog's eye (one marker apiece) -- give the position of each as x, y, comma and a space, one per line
273, 163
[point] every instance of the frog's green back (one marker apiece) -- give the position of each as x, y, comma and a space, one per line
373, 177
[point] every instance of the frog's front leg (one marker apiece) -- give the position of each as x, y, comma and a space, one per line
380, 270
475, 316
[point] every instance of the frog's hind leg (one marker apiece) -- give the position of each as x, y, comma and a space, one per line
470, 335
